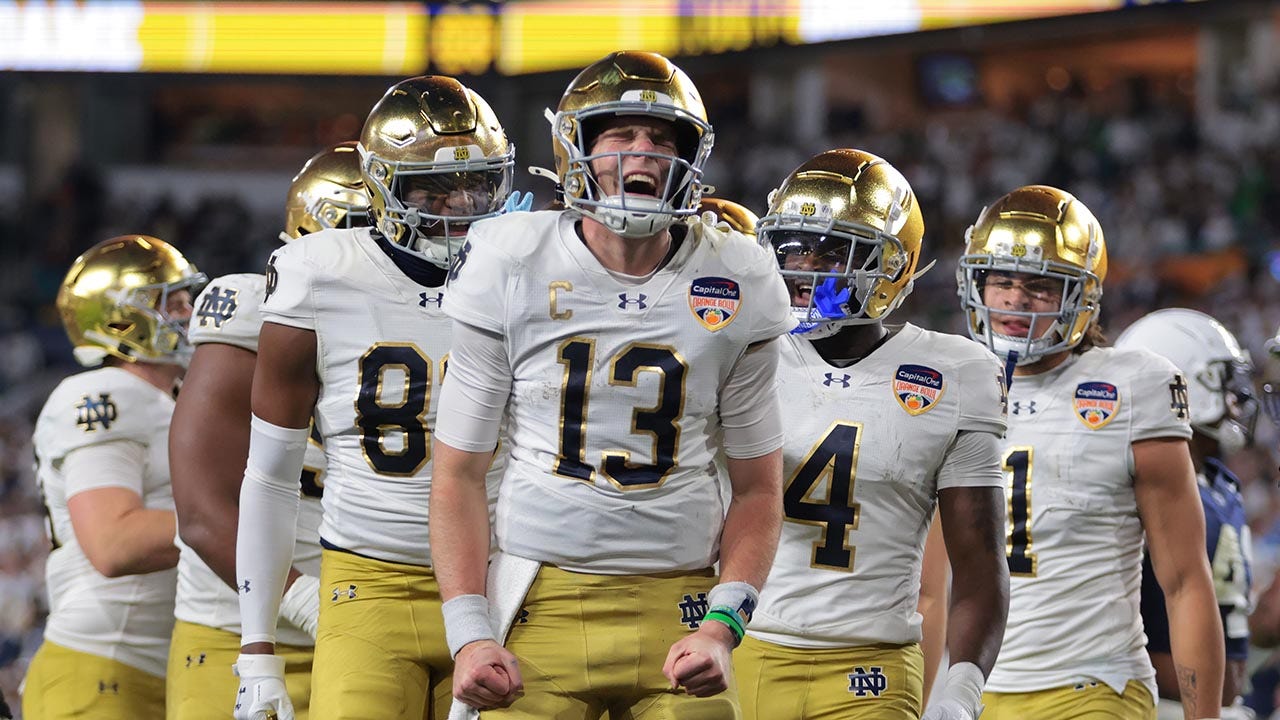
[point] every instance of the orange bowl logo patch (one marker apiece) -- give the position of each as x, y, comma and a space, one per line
917, 388
714, 301
1096, 403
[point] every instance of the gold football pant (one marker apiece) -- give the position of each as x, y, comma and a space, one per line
1083, 701
588, 644
63, 684
200, 683
380, 651
873, 682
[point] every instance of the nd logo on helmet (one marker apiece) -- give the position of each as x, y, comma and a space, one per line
808, 209
462, 153
1019, 250
648, 96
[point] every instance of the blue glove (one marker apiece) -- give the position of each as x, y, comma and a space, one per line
518, 202
829, 302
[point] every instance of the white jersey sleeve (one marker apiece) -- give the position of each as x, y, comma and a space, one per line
288, 295
229, 311
479, 280
1162, 411
768, 308
982, 409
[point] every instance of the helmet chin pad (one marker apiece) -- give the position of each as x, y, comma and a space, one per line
629, 217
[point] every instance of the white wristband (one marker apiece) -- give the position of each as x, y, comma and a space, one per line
259, 665
466, 620
301, 604
964, 685
740, 597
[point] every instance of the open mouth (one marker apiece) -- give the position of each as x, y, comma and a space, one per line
640, 184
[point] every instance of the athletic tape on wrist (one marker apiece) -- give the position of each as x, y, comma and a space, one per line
740, 597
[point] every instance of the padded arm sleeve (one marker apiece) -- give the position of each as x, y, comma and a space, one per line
749, 412
475, 390
268, 524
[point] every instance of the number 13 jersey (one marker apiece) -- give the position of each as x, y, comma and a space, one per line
865, 454
1074, 536
382, 343
614, 403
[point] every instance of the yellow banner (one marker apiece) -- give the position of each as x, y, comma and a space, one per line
281, 37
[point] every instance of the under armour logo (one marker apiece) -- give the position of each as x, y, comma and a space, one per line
244, 587
198, 660
863, 683
832, 379
240, 696
90, 413
350, 592
1030, 407
425, 299
218, 306
105, 687
522, 617
625, 301
692, 609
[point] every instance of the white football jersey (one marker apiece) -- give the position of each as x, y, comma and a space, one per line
382, 342
130, 618
615, 387
1074, 536
228, 311
864, 446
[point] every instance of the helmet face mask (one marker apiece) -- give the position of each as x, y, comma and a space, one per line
434, 159
648, 88
1033, 231
846, 231
1219, 373
118, 300
327, 193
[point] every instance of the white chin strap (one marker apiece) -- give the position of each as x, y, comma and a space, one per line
1230, 435
642, 218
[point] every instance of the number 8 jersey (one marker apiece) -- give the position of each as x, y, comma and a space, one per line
1074, 535
382, 342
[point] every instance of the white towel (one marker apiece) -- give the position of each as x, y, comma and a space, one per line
509, 580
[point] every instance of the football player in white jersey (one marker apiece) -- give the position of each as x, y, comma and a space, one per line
1096, 453
103, 468
1224, 412
353, 333
621, 339
208, 443
883, 424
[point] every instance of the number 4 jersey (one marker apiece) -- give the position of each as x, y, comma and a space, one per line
382, 343
865, 454
1075, 538
615, 387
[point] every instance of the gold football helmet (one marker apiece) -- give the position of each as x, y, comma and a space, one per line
1038, 230
115, 299
327, 193
846, 229
434, 160
631, 83
737, 217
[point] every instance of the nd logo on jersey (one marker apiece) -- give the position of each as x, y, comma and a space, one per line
714, 301
1095, 403
917, 388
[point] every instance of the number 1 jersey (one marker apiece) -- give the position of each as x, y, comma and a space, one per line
1074, 536
382, 343
615, 387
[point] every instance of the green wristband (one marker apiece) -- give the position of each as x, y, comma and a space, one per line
725, 615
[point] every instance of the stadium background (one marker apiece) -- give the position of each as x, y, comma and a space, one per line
187, 120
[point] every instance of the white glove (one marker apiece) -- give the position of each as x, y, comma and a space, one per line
947, 710
300, 605
961, 696
262, 694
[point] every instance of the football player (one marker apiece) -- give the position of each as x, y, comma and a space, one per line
621, 340
353, 332
103, 468
1096, 453
208, 443
1224, 411
882, 425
